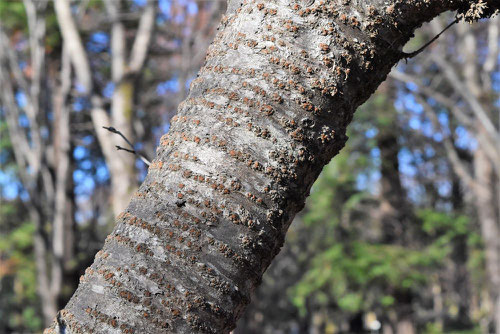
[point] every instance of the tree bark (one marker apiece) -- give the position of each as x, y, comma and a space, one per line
269, 109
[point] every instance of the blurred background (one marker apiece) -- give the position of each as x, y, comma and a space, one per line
401, 233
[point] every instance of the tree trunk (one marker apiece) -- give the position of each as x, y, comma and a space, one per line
121, 165
405, 326
267, 112
47, 298
43, 161
63, 216
486, 207
396, 217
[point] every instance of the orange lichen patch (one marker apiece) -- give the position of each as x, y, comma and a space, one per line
324, 47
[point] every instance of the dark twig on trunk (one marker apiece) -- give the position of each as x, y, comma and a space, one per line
133, 151
405, 55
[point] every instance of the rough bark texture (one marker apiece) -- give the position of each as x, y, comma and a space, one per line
268, 110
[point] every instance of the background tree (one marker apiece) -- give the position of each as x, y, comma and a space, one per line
460, 97
43, 161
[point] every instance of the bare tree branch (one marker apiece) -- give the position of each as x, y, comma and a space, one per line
476, 107
489, 144
76, 49
118, 46
493, 48
62, 149
36, 25
440, 98
142, 40
456, 162
29, 146
133, 151
122, 169
24, 156
405, 55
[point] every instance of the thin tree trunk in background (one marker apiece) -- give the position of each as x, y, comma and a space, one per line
120, 164
396, 217
470, 98
438, 304
482, 184
405, 326
267, 112
386, 328
395, 210
486, 160
48, 300
460, 255
124, 74
25, 158
62, 161
32, 152
485, 202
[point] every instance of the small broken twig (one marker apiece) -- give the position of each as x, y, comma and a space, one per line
405, 55
143, 158
119, 148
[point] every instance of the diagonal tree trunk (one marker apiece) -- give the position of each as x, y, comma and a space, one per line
269, 109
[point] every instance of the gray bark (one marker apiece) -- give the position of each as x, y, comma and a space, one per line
269, 109
76, 49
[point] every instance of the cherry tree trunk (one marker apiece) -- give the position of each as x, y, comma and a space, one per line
268, 110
